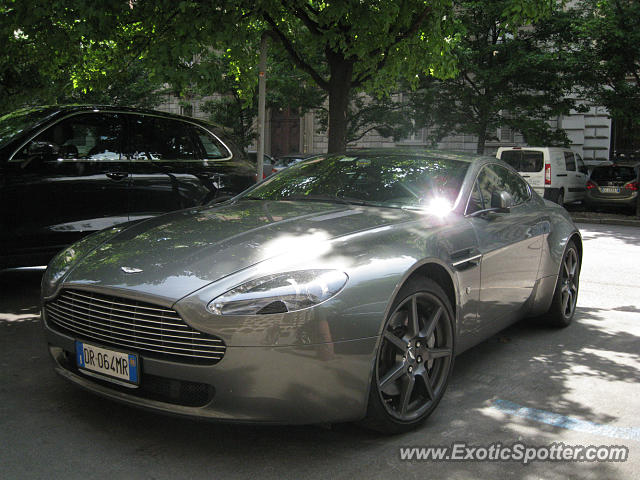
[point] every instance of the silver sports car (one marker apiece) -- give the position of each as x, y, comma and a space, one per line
339, 289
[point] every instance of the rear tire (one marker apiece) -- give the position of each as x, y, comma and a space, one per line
414, 359
560, 198
565, 296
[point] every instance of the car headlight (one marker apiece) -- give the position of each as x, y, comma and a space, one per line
280, 293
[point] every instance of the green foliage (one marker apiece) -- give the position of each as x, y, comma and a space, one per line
121, 51
71, 52
505, 79
607, 54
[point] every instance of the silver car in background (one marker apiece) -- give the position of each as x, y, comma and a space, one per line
340, 289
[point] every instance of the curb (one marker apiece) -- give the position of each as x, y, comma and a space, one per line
629, 222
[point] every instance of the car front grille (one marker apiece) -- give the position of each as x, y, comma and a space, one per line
152, 330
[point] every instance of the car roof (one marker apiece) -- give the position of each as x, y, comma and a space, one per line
56, 111
537, 149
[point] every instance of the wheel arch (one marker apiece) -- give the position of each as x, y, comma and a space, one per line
442, 277
545, 286
577, 239
436, 270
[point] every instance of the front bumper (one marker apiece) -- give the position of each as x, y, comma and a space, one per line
301, 384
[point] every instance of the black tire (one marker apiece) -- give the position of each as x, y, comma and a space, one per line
560, 198
414, 358
565, 296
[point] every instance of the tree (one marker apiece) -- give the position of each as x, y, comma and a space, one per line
53, 53
508, 76
343, 47
362, 46
608, 54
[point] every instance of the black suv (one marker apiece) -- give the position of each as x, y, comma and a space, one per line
68, 171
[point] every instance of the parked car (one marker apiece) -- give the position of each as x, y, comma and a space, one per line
268, 163
69, 171
613, 186
284, 161
339, 289
557, 174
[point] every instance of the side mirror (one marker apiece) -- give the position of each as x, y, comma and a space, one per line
501, 201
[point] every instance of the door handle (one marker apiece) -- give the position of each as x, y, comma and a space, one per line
117, 175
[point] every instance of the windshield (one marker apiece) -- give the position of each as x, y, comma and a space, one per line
14, 123
389, 180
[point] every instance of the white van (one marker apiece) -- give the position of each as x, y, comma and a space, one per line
557, 174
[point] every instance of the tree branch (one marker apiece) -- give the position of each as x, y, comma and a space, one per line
312, 25
472, 83
413, 28
362, 134
295, 56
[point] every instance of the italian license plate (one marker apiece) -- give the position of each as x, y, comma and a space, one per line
610, 189
110, 363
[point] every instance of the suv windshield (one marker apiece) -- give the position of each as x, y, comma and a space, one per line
398, 180
14, 123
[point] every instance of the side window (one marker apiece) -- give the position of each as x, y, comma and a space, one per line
84, 137
510, 182
570, 161
213, 148
582, 168
487, 183
517, 187
163, 140
475, 203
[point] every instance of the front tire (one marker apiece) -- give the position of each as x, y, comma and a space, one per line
565, 296
414, 358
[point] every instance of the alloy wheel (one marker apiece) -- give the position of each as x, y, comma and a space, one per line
415, 356
569, 282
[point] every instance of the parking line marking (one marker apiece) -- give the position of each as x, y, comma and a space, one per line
562, 421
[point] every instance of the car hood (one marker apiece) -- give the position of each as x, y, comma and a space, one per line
170, 256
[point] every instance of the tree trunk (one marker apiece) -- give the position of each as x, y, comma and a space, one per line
339, 87
482, 139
